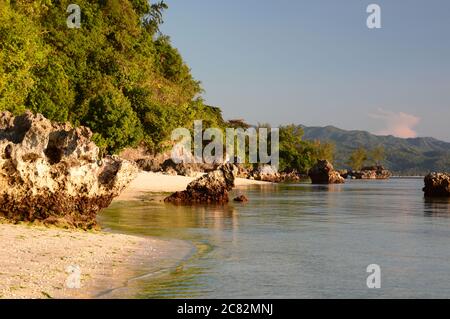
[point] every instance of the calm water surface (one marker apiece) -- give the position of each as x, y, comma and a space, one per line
298, 241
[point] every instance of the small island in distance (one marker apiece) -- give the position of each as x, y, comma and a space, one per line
404, 156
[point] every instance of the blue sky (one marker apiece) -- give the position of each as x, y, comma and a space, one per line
316, 62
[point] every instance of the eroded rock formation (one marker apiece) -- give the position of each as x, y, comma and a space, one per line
241, 199
323, 173
213, 187
52, 173
370, 172
437, 185
266, 173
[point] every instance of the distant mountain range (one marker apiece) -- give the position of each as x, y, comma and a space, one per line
404, 156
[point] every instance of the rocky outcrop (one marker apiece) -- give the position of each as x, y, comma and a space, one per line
437, 185
370, 172
149, 164
186, 169
210, 188
344, 173
324, 173
169, 167
241, 199
292, 176
266, 173
52, 173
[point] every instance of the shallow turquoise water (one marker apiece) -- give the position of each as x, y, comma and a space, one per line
299, 241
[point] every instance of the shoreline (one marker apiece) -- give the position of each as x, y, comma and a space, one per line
41, 260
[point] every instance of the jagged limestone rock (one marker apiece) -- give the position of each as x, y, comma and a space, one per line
212, 187
52, 173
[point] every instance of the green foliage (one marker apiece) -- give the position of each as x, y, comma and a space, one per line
52, 94
111, 116
291, 145
357, 158
21, 50
377, 155
116, 73
300, 155
322, 150
154, 16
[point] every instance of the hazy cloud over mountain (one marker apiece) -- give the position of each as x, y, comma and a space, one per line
398, 124
317, 63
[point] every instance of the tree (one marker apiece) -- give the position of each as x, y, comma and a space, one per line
377, 155
21, 50
113, 119
154, 17
323, 150
357, 158
116, 74
290, 139
52, 94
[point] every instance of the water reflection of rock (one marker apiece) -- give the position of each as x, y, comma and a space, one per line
331, 188
436, 207
152, 218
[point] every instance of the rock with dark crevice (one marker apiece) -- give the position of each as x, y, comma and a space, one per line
211, 188
51, 172
323, 173
241, 199
437, 185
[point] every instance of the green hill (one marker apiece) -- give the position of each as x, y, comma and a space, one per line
404, 156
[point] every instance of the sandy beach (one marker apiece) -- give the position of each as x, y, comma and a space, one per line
41, 262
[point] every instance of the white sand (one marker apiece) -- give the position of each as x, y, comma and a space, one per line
148, 182
34, 260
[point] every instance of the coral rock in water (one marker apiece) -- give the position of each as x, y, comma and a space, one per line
241, 198
50, 172
437, 185
210, 188
324, 173
371, 172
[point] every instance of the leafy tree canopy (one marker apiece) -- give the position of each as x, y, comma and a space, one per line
357, 158
297, 154
116, 74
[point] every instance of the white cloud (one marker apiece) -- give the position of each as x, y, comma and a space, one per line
396, 123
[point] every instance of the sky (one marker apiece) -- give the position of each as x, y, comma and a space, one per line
317, 63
